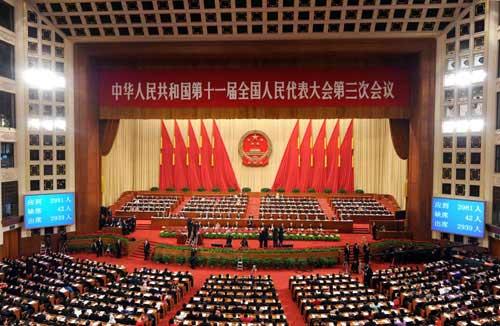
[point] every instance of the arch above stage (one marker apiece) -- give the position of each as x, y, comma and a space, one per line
417, 56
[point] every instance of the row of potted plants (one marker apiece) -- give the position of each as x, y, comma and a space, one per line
241, 235
261, 263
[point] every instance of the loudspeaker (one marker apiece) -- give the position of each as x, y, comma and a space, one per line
400, 215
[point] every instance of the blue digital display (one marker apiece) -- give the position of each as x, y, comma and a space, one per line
49, 210
462, 217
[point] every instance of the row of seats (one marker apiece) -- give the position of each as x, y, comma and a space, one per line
143, 203
211, 206
280, 206
345, 208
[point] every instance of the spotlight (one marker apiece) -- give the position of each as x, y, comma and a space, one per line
44, 79
464, 78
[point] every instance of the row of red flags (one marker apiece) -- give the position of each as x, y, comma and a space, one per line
320, 165
194, 166
304, 165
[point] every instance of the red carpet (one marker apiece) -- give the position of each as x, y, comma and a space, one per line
327, 209
280, 278
253, 207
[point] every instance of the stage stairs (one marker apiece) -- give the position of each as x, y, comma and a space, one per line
253, 206
143, 224
327, 208
183, 203
360, 229
136, 249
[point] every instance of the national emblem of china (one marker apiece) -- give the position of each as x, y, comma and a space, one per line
255, 148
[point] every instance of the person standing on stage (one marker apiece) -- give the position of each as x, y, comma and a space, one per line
265, 236
347, 255
100, 247
147, 247
366, 253
190, 228
275, 237
355, 251
118, 249
281, 235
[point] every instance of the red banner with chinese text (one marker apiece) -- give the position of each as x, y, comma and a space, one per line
277, 87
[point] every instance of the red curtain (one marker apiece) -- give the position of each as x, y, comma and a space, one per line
306, 159
107, 134
224, 174
346, 173
332, 153
180, 153
167, 150
288, 170
319, 160
193, 161
206, 160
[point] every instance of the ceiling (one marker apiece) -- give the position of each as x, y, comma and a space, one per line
93, 20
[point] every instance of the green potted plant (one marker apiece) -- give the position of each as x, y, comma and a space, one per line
280, 190
359, 191
216, 189
265, 190
201, 189
231, 190
342, 191
154, 189
170, 189
185, 189
327, 191
311, 190
246, 189
296, 190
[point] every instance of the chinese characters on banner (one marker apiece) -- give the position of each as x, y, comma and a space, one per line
464, 217
271, 87
49, 210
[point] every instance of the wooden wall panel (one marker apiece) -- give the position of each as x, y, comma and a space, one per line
421, 153
11, 242
494, 247
417, 55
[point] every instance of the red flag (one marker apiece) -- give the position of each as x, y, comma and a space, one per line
319, 160
332, 153
305, 170
287, 174
346, 172
166, 180
193, 170
206, 166
224, 173
180, 152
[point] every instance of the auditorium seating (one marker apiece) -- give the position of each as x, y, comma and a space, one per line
360, 209
216, 206
451, 291
234, 300
455, 292
288, 207
149, 203
59, 290
337, 298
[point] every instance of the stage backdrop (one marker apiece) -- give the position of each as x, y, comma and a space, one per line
134, 160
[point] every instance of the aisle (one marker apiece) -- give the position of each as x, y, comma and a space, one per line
280, 279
